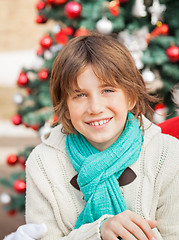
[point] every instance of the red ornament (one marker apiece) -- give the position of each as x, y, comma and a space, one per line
12, 159
29, 90
56, 2
41, 19
72, 10
40, 52
173, 53
68, 31
40, 5
35, 127
114, 7
25, 125
59, 2
81, 32
22, 161
43, 74
159, 106
50, 1
123, 1
16, 119
11, 212
162, 29
46, 42
22, 79
19, 186
61, 38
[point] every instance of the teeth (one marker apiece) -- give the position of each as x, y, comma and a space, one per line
101, 122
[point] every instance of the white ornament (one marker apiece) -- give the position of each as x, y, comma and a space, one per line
5, 198
48, 55
156, 11
56, 28
56, 48
18, 99
160, 114
104, 26
137, 56
38, 64
148, 75
159, 117
156, 84
31, 76
139, 9
136, 44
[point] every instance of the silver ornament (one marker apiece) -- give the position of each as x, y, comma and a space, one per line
18, 99
104, 26
31, 76
159, 115
56, 48
56, 28
139, 9
136, 44
148, 75
38, 64
5, 198
48, 55
156, 11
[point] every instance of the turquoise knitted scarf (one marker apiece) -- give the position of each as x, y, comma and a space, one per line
98, 172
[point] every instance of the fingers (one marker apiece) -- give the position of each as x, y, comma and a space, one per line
129, 226
152, 223
111, 229
141, 228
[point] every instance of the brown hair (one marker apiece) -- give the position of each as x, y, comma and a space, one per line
111, 62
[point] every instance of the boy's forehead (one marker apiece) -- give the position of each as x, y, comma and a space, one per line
102, 84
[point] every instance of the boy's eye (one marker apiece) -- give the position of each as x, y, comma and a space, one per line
80, 95
108, 90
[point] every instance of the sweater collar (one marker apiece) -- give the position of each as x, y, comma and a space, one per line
149, 129
56, 138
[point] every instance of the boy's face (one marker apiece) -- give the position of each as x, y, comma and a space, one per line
98, 111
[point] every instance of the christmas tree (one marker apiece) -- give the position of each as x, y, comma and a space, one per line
148, 28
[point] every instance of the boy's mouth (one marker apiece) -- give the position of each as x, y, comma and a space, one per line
99, 122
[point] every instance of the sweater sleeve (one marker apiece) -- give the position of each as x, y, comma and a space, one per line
167, 214
168, 211
41, 208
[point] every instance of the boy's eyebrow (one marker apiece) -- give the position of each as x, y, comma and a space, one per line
106, 85
101, 86
77, 90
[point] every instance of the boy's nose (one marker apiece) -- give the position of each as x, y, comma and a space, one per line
96, 105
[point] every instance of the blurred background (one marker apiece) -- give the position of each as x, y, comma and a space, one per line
32, 32
19, 37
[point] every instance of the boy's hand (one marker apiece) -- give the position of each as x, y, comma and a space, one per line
129, 226
28, 232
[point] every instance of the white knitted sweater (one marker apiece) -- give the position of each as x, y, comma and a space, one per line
154, 194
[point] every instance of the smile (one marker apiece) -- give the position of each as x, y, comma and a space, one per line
100, 122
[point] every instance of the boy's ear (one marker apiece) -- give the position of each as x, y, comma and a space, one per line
67, 114
132, 104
